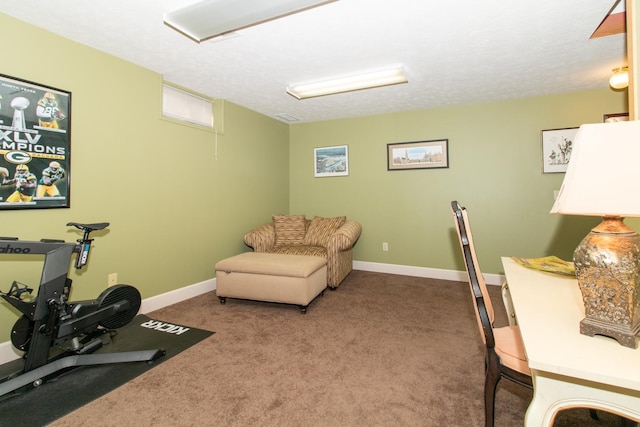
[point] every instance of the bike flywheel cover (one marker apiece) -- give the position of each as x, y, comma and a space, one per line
114, 295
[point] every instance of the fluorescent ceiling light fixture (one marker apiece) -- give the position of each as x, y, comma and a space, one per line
210, 18
369, 80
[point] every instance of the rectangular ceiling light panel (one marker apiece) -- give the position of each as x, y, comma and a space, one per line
350, 83
211, 18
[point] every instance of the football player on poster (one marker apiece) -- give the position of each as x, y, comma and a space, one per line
25, 185
47, 183
4, 176
48, 112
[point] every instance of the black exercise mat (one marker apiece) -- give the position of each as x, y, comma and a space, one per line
76, 387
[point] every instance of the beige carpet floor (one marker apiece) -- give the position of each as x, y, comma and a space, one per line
381, 350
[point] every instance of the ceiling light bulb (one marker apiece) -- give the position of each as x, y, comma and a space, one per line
620, 78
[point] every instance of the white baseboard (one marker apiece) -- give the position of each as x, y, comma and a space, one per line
8, 352
432, 273
159, 301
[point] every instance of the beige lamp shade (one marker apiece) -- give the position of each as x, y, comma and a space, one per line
603, 174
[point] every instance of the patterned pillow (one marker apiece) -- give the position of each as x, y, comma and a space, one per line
321, 229
290, 229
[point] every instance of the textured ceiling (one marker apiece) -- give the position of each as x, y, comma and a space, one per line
461, 52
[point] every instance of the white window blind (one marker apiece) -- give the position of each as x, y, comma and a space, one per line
180, 105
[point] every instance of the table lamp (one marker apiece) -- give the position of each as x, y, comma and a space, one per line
603, 179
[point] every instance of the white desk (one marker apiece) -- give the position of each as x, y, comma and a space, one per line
569, 369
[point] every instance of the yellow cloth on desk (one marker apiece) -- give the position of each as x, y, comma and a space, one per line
550, 264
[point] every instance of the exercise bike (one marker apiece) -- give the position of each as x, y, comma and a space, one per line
54, 333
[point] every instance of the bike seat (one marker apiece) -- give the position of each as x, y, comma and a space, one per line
89, 227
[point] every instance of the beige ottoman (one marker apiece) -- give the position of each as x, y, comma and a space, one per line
289, 279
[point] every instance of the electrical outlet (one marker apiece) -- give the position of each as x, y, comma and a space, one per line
112, 279
385, 246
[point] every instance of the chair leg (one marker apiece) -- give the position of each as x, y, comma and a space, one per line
492, 377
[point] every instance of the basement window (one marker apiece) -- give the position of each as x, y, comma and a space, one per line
187, 107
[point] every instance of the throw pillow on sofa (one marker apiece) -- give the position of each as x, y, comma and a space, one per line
321, 229
290, 229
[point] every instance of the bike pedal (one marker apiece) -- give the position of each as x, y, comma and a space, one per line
17, 289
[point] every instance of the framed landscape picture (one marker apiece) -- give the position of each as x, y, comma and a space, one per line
331, 161
35, 145
418, 155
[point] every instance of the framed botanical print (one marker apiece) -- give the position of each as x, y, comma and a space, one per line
556, 149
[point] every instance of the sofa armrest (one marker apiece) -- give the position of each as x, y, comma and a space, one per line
345, 237
261, 239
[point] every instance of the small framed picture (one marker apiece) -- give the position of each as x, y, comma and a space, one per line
619, 117
556, 149
418, 155
331, 161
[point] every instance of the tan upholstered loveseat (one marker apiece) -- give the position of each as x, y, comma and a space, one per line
331, 238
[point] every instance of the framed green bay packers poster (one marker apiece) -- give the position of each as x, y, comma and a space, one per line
35, 145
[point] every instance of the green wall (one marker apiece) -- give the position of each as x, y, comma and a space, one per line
174, 208
177, 205
495, 171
